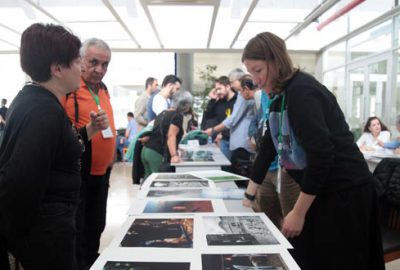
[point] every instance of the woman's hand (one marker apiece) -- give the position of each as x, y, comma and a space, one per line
175, 159
208, 131
292, 224
144, 139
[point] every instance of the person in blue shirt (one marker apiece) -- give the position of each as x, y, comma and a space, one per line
395, 144
130, 132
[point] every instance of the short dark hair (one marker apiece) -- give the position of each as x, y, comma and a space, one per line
369, 120
149, 81
129, 114
45, 44
224, 80
247, 81
170, 79
271, 49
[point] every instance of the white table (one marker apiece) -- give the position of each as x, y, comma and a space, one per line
219, 160
373, 158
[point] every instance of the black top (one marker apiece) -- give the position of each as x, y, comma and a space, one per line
39, 158
214, 114
158, 137
318, 148
3, 113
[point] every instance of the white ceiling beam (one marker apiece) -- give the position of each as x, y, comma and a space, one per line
312, 16
120, 21
152, 24
244, 21
45, 12
10, 29
217, 3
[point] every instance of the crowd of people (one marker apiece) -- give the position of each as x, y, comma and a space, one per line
276, 124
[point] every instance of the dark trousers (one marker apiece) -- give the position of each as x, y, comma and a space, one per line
91, 217
50, 242
341, 231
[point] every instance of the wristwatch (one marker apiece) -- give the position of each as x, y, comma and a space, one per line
250, 197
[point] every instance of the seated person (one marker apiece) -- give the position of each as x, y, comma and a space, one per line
166, 135
130, 132
395, 144
374, 133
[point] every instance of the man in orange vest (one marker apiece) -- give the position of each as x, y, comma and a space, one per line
99, 153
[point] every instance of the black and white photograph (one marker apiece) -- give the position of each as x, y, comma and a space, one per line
242, 261
180, 184
116, 265
196, 156
237, 231
177, 176
162, 233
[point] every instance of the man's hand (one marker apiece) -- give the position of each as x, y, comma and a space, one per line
99, 120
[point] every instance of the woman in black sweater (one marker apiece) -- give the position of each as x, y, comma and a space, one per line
40, 154
333, 224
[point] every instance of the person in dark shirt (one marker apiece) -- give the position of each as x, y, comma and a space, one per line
166, 135
40, 153
3, 113
334, 223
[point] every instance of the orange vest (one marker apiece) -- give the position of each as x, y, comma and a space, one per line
103, 150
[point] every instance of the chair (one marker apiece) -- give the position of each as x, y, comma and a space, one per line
387, 174
390, 227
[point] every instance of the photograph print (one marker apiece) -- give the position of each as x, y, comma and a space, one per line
211, 193
177, 176
113, 265
180, 184
162, 233
179, 207
197, 156
237, 231
242, 261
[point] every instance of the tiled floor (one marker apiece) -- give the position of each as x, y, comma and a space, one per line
121, 195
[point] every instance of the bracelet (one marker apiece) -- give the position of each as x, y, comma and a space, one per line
250, 197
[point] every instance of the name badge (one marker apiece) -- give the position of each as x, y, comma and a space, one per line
107, 133
193, 143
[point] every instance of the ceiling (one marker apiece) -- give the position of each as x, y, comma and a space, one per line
181, 25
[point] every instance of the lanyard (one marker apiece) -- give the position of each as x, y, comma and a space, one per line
95, 97
280, 148
280, 136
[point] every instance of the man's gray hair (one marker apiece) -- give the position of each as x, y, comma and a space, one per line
182, 100
236, 74
98, 43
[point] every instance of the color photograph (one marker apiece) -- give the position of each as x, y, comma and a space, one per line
237, 231
177, 176
113, 265
242, 261
163, 233
178, 207
211, 193
180, 184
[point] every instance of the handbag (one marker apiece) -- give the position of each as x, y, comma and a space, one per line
165, 165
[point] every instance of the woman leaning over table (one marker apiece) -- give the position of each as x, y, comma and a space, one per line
375, 133
333, 224
166, 135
